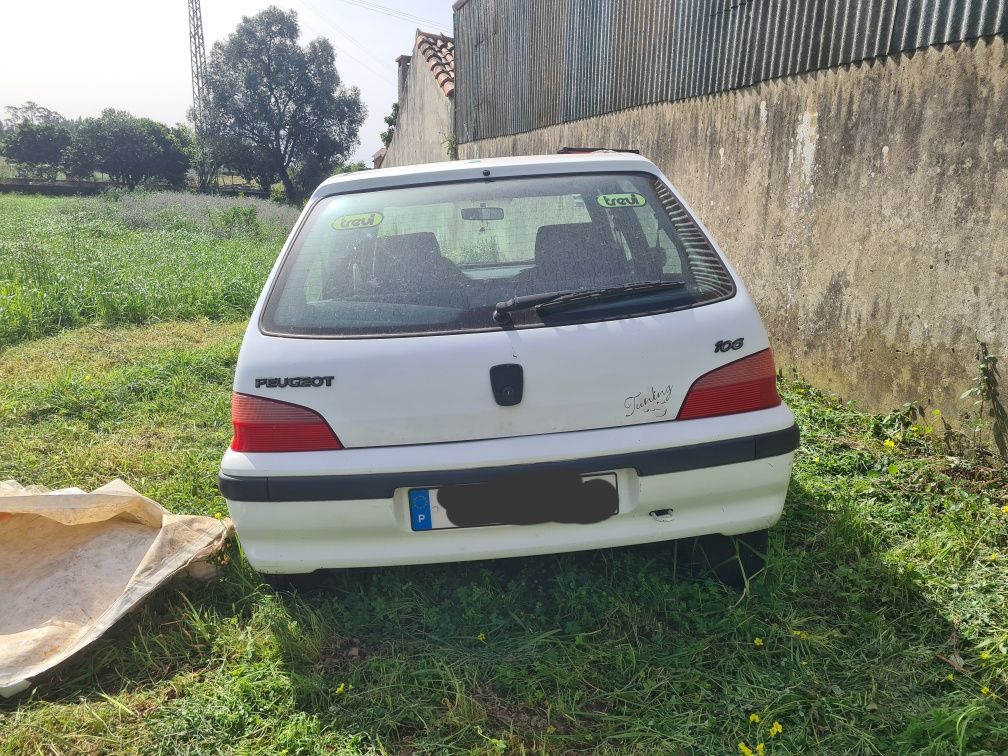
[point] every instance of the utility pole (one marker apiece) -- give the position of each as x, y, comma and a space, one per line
197, 55
202, 122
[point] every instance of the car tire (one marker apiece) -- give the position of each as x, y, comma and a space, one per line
732, 560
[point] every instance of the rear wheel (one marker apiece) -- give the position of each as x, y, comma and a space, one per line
733, 560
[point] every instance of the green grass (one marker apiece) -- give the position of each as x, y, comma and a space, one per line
880, 568
133, 259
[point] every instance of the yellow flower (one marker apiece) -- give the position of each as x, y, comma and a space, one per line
340, 688
889, 444
776, 729
984, 656
754, 718
994, 556
985, 690
481, 637
758, 642
760, 749
1004, 509
949, 677
799, 634
218, 515
816, 460
745, 750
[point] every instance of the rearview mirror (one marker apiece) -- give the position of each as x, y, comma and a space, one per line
482, 213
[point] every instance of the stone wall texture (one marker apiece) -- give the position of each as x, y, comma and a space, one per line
866, 208
425, 119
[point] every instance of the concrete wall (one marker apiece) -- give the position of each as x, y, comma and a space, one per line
425, 119
866, 208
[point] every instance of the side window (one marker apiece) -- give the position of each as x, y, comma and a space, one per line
316, 278
314, 272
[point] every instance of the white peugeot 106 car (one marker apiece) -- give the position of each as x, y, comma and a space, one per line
495, 358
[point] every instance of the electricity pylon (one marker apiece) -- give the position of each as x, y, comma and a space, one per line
206, 171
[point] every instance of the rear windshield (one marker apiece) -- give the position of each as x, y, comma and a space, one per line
441, 258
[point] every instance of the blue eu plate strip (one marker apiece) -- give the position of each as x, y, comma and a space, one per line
419, 504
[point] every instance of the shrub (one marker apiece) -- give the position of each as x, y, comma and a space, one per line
236, 220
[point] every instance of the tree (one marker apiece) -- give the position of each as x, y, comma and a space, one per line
282, 108
33, 137
205, 149
80, 158
130, 150
123, 147
171, 161
37, 148
390, 120
33, 113
359, 165
251, 163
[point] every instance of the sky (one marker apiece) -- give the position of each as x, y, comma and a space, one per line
78, 58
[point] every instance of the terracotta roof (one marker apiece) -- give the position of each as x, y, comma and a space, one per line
439, 52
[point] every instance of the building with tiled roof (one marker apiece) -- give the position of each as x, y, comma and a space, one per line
423, 132
439, 52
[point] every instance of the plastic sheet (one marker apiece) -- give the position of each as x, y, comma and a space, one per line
73, 563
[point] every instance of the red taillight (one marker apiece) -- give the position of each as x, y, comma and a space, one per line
741, 386
266, 425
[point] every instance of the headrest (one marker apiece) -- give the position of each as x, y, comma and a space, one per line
422, 245
568, 250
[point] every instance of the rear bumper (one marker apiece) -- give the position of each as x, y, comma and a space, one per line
300, 523
302, 536
652, 462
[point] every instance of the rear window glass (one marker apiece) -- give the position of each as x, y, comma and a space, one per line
439, 258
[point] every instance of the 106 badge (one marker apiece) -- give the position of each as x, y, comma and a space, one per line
728, 345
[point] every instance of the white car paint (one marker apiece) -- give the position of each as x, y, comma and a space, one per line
424, 404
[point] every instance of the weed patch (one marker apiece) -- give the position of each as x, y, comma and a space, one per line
141, 258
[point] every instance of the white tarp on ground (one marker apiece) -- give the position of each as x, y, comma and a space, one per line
72, 563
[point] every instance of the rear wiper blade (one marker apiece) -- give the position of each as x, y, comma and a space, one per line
502, 310
610, 292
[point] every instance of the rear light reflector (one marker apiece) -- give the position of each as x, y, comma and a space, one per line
741, 386
267, 425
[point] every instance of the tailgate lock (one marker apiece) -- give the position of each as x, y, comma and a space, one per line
507, 382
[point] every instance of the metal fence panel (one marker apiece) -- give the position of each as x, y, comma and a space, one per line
525, 64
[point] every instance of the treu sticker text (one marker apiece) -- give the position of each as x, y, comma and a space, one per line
357, 220
631, 199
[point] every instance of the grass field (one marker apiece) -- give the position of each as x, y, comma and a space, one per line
138, 258
879, 627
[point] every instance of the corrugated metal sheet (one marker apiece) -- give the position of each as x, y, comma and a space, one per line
524, 64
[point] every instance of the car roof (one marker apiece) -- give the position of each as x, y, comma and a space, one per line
463, 170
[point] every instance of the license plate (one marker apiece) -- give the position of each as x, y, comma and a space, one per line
524, 499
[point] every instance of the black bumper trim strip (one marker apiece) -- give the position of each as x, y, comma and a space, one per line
383, 485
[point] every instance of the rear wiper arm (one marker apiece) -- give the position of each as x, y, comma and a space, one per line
502, 310
610, 292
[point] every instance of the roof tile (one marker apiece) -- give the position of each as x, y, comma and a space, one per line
439, 52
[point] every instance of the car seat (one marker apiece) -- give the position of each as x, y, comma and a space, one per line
575, 253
